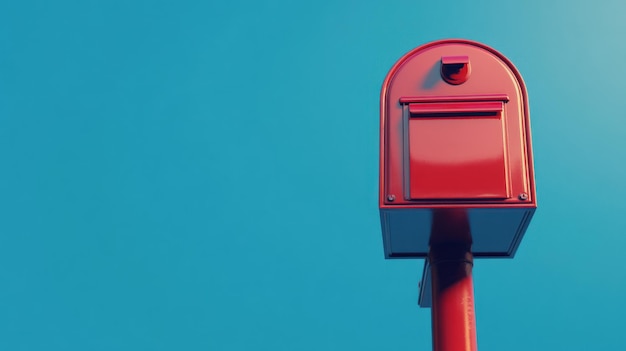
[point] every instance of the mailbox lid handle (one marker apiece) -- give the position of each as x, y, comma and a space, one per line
455, 60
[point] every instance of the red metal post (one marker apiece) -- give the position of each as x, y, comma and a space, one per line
453, 319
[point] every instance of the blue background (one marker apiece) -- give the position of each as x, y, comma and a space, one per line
203, 175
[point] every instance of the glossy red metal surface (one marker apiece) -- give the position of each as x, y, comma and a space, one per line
448, 146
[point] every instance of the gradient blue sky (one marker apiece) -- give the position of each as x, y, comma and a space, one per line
202, 175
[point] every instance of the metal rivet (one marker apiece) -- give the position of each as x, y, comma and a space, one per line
523, 196
391, 197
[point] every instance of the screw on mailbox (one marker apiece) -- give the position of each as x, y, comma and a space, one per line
391, 197
523, 196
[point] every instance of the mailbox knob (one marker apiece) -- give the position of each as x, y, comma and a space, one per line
455, 70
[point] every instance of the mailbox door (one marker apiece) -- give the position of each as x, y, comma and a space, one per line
456, 150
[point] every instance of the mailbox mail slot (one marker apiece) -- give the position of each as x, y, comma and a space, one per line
455, 141
456, 151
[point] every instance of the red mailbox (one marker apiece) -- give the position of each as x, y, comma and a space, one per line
455, 143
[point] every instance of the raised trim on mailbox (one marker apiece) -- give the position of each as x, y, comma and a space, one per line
462, 108
483, 97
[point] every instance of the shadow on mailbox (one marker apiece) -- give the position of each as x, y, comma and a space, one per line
455, 138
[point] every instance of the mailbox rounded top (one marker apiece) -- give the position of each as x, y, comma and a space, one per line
443, 67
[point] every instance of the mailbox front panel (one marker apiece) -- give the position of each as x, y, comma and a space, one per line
456, 151
465, 143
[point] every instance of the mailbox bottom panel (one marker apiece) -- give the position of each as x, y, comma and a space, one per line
495, 232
